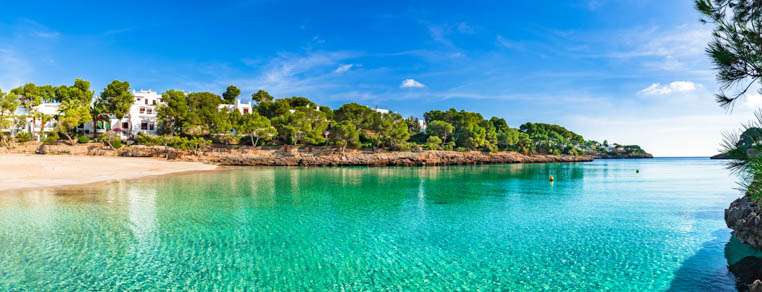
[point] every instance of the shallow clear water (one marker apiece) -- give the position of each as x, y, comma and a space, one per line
599, 226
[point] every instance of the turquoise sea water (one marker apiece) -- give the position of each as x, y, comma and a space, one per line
599, 226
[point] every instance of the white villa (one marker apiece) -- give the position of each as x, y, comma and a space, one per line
142, 116
243, 108
49, 109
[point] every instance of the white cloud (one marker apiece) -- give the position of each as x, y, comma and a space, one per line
411, 83
753, 101
676, 86
343, 68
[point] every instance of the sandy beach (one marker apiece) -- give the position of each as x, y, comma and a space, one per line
20, 171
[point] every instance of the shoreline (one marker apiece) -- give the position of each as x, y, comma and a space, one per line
35, 166
223, 155
20, 172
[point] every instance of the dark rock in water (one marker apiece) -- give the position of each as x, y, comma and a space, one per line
720, 156
748, 271
756, 286
743, 219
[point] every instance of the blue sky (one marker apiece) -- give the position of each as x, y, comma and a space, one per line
632, 72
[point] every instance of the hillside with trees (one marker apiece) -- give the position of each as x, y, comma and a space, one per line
193, 120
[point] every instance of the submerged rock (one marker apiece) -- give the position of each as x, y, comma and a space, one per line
748, 271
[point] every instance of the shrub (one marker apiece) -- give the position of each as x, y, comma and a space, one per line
83, 139
112, 139
461, 149
227, 139
23, 137
145, 139
192, 143
449, 146
50, 139
489, 148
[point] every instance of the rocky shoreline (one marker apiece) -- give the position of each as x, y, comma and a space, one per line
293, 156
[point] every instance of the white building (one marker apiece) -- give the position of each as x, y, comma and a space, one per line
381, 110
142, 117
35, 125
243, 108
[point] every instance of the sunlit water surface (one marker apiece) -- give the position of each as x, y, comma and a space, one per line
599, 226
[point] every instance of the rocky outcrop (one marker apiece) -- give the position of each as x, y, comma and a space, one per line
622, 156
743, 218
293, 156
720, 156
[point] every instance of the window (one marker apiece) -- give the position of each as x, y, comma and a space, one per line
142, 110
150, 111
245, 111
144, 126
151, 126
125, 125
153, 102
146, 101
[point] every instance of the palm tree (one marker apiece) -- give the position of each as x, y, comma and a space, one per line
99, 111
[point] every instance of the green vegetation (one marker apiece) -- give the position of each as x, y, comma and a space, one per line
736, 51
193, 120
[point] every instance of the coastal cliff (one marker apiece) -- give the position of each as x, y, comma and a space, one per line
293, 156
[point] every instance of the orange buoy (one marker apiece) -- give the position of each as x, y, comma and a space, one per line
551, 178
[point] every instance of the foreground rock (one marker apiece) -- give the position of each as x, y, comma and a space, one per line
743, 218
293, 156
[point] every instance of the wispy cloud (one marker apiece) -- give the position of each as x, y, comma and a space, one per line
14, 71
118, 30
343, 68
38, 30
411, 83
464, 27
508, 44
686, 40
290, 73
676, 86
46, 34
594, 4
